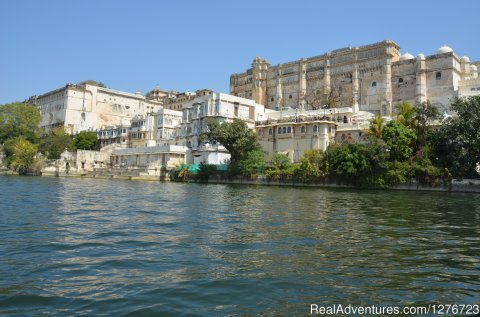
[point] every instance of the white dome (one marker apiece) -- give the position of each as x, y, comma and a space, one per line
421, 56
406, 56
465, 59
444, 49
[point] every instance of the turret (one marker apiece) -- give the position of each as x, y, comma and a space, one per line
259, 70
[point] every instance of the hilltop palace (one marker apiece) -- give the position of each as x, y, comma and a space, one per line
304, 104
372, 77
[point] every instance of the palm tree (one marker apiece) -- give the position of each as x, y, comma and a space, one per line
406, 114
376, 127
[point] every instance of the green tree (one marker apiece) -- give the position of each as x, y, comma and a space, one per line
280, 164
406, 114
280, 161
55, 142
235, 136
252, 163
350, 162
23, 155
376, 127
19, 120
85, 140
426, 114
311, 165
400, 141
456, 144
423, 169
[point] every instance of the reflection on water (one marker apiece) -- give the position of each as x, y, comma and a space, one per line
131, 248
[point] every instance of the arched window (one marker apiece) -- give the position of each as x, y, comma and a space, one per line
315, 128
271, 99
289, 130
438, 75
284, 130
290, 97
400, 80
270, 131
302, 129
374, 84
279, 130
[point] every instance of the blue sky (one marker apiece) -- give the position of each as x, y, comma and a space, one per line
188, 45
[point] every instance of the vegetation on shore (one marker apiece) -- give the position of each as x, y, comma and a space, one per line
26, 146
416, 144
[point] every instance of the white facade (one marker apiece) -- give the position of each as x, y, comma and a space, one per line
142, 131
222, 107
86, 107
292, 131
114, 135
165, 123
153, 157
183, 128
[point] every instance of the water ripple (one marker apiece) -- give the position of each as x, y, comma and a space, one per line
99, 247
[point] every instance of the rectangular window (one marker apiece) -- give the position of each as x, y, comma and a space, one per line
438, 75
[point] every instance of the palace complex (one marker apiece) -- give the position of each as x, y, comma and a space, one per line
371, 77
295, 106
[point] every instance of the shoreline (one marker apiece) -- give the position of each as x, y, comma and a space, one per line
456, 186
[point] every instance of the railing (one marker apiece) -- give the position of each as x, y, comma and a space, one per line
297, 119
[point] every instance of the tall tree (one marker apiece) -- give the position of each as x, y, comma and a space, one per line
425, 115
23, 155
235, 136
400, 141
19, 120
456, 144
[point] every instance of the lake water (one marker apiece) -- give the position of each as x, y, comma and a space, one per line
86, 247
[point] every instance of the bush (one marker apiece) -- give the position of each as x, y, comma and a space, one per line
205, 171
252, 163
312, 166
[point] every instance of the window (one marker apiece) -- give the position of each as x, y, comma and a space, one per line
400, 80
438, 75
302, 129
290, 97
279, 130
374, 84
289, 130
284, 130
315, 128
270, 131
473, 89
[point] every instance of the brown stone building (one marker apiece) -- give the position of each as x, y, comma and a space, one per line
371, 77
